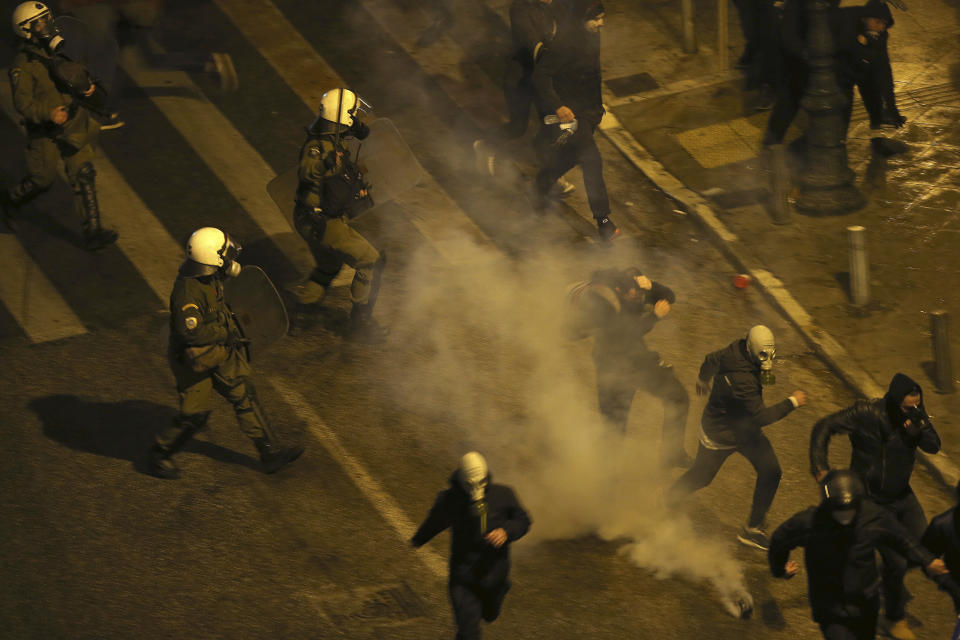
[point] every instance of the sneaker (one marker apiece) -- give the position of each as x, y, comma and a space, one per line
900, 630
111, 121
565, 187
222, 65
607, 230
753, 537
485, 160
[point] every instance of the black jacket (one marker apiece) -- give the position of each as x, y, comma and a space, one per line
532, 23
883, 451
942, 539
472, 559
841, 564
568, 74
735, 412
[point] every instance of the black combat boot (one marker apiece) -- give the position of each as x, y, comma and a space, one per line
159, 458
363, 328
94, 236
273, 457
12, 199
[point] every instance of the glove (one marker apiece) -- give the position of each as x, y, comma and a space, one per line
703, 388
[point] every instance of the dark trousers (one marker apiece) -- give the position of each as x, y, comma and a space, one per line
471, 603
580, 149
863, 627
519, 93
910, 514
758, 451
789, 93
615, 392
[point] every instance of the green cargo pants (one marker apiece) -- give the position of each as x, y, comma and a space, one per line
231, 379
333, 242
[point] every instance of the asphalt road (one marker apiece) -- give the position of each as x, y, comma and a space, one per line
476, 358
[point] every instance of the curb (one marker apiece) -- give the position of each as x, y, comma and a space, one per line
823, 344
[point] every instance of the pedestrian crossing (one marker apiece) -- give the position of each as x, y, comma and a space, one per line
195, 165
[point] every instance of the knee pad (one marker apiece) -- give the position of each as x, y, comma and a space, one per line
86, 174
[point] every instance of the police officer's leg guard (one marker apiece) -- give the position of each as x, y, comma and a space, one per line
254, 422
16, 196
94, 236
170, 441
361, 315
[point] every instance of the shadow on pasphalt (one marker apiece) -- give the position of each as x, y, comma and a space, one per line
122, 430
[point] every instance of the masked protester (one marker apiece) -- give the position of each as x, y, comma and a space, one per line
485, 519
331, 192
942, 539
567, 80
207, 352
619, 307
732, 422
884, 434
840, 538
58, 123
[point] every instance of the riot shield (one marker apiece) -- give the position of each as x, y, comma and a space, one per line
257, 307
386, 161
96, 49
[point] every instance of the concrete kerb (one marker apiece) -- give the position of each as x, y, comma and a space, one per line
823, 344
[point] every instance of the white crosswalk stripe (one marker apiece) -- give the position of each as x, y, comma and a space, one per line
435, 215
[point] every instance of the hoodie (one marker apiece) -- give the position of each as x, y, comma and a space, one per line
884, 448
473, 560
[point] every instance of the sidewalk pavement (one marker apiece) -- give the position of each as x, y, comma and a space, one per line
698, 139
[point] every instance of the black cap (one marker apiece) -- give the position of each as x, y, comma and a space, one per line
842, 489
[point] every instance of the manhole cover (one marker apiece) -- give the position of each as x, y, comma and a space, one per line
631, 85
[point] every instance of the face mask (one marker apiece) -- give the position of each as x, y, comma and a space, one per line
232, 269
47, 33
473, 475
762, 347
844, 516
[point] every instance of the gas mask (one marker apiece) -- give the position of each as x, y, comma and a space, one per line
472, 476
47, 33
230, 253
762, 348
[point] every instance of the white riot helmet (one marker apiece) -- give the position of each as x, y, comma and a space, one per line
208, 250
472, 475
762, 348
338, 107
24, 17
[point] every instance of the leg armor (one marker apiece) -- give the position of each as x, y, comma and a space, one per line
85, 196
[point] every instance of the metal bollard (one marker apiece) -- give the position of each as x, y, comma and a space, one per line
779, 184
689, 36
943, 369
723, 21
859, 267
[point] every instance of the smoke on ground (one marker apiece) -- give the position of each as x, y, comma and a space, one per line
496, 362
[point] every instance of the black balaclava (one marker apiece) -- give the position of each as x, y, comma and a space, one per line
902, 385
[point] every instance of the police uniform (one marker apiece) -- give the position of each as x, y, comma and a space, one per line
35, 96
329, 194
206, 353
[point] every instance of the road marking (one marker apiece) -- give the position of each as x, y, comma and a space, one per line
30, 297
371, 489
435, 215
239, 166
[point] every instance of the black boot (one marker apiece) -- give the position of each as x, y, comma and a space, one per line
272, 457
12, 199
159, 458
94, 236
363, 328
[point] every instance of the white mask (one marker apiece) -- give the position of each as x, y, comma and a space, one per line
761, 345
472, 475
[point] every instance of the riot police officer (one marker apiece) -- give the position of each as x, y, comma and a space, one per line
207, 352
58, 123
331, 192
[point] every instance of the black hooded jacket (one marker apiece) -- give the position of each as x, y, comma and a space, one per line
884, 451
735, 412
840, 560
533, 24
568, 71
473, 560
942, 539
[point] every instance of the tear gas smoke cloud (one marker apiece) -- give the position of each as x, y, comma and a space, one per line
503, 372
